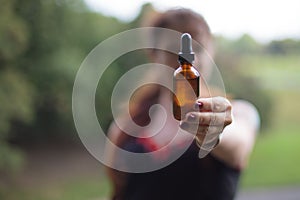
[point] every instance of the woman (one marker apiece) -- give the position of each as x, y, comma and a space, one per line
213, 176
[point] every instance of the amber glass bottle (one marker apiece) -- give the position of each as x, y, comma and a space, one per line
185, 80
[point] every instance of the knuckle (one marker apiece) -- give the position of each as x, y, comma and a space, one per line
229, 106
228, 120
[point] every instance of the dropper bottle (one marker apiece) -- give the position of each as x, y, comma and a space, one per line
185, 80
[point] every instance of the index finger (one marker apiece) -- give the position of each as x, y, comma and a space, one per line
214, 104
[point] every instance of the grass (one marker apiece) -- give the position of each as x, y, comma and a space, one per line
275, 72
275, 160
77, 189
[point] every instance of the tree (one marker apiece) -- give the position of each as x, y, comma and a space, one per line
41, 47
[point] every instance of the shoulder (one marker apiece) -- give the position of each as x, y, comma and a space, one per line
245, 111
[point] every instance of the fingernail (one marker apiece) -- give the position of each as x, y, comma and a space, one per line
184, 125
191, 117
198, 105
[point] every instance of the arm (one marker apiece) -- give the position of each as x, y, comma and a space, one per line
239, 137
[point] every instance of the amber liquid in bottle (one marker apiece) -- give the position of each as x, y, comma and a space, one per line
185, 80
186, 89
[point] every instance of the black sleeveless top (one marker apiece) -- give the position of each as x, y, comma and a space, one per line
187, 178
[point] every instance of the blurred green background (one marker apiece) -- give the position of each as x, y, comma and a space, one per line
42, 44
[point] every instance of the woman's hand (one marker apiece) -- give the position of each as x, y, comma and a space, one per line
207, 121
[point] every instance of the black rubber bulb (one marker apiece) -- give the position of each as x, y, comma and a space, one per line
186, 49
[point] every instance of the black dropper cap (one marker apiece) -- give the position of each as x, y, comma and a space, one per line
186, 53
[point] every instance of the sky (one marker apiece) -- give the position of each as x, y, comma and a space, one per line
265, 20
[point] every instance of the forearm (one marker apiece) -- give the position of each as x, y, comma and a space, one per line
239, 137
236, 146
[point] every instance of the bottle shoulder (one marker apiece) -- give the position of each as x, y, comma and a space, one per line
190, 72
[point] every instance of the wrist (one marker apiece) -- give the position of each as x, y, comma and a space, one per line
207, 145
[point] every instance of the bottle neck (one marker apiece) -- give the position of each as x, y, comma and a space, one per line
186, 65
